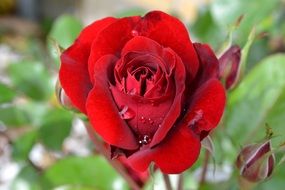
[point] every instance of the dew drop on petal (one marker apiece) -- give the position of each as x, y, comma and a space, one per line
142, 119
154, 103
126, 113
135, 33
144, 140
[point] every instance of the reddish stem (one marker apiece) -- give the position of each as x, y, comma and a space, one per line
180, 182
167, 182
204, 169
116, 164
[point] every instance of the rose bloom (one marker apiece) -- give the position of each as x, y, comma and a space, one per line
148, 91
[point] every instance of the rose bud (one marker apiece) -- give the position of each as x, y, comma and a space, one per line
148, 91
256, 161
229, 66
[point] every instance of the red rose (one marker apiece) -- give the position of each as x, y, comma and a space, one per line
146, 89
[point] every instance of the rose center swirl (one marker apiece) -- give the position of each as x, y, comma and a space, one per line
142, 84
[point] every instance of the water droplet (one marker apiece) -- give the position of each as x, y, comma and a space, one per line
135, 33
145, 140
142, 119
126, 113
159, 125
154, 103
197, 117
150, 121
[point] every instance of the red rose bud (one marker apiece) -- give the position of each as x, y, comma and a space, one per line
256, 162
229, 66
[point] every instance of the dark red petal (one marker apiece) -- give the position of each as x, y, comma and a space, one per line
207, 107
142, 44
103, 112
208, 62
73, 72
176, 153
90, 32
170, 32
147, 46
111, 40
175, 110
148, 116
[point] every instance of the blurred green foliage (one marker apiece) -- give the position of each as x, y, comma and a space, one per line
28, 102
94, 172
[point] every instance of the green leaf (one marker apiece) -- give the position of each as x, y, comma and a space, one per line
23, 145
35, 111
28, 114
55, 128
207, 30
93, 172
63, 33
28, 178
13, 116
276, 182
225, 12
76, 187
65, 30
6, 93
32, 79
258, 99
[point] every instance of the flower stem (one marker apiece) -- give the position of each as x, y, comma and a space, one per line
116, 164
180, 182
167, 182
245, 185
204, 169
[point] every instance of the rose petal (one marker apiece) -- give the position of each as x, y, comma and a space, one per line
143, 44
148, 115
161, 86
207, 107
146, 46
103, 112
111, 40
170, 32
174, 155
175, 110
209, 62
73, 72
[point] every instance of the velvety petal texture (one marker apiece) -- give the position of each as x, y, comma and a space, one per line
148, 91
73, 72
